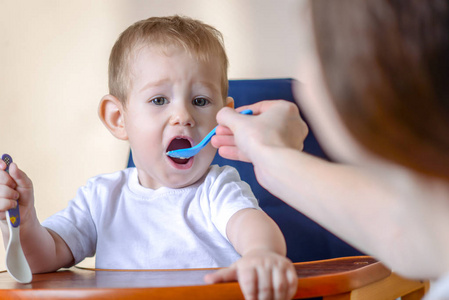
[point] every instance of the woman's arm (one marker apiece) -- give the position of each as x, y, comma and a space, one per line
363, 206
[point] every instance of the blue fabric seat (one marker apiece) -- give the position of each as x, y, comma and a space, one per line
306, 240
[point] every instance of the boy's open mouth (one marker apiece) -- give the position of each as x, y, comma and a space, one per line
179, 143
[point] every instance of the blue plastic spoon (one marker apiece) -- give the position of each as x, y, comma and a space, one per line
189, 152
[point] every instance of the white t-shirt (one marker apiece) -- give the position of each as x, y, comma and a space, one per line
439, 290
128, 226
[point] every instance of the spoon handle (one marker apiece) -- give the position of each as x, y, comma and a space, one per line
14, 214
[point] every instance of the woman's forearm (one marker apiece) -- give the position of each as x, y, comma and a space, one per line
346, 201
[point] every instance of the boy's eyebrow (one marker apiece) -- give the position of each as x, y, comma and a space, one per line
154, 83
210, 85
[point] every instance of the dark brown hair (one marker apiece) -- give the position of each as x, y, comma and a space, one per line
386, 65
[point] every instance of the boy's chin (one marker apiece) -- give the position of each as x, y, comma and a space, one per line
182, 184
182, 181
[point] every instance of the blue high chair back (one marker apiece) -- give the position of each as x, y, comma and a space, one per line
306, 240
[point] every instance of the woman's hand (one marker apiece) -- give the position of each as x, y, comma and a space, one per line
275, 123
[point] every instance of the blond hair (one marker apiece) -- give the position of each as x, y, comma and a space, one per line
200, 40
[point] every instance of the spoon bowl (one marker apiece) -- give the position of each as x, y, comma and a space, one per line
16, 262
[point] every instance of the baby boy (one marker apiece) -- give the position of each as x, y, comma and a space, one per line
167, 81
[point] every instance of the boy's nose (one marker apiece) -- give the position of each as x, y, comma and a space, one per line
182, 117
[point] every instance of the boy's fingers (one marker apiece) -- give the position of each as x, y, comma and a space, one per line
222, 275
248, 281
285, 283
279, 285
20, 177
290, 285
265, 284
6, 180
292, 278
8, 193
7, 204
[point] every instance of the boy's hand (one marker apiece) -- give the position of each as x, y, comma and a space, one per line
45, 251
15, 186
261, 274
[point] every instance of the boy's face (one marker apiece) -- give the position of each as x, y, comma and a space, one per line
172, 103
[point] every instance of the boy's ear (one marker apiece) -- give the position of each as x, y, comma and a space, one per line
110, 112
230, 102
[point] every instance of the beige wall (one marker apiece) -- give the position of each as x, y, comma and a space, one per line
53, 72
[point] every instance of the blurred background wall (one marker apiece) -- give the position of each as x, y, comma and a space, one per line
53, 73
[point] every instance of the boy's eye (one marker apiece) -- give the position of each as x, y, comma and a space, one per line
200, 101
159, 101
